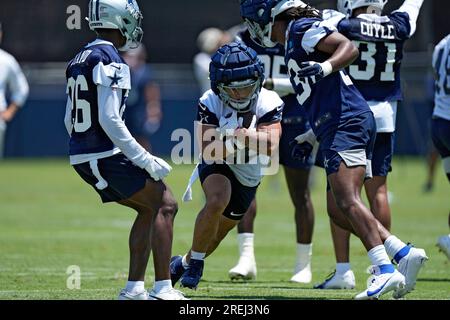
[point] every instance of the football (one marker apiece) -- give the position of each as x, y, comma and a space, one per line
247, 118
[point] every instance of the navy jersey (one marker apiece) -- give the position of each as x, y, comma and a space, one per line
97, 63
330, 101
380, 40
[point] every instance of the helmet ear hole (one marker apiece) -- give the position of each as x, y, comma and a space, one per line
126, 21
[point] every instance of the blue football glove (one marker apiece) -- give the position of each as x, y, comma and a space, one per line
302, 146
315, 70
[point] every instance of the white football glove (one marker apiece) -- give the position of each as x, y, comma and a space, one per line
308, 137
158, 168
227, 125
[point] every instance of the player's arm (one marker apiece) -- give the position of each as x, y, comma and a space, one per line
323, 37
266, 134
212, 147
68, 116
412, 8
265, 139
111, 85
19, 88
279, 85
343, 52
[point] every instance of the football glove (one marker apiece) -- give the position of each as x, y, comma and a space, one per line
228, 124
315, 70
303, 145
158, 168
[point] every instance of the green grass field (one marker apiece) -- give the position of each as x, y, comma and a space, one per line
50, 219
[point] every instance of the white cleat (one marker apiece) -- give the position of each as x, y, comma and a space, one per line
444, 245
409, 266
345, 281
379, 284
244, 270
171, 294
302, 275
125, 295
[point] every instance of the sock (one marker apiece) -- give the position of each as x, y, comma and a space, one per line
162, 285
135, 286
378, 256
396, 248
342, 268
304, 252
198, 255
184, 262
245, 241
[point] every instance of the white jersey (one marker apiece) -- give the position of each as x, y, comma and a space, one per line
441, 65
268, 109
12, 78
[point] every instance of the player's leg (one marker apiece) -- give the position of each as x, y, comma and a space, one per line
346, 153
2, 140
342, 277
376, 188
220, 186
225, 225
346, 186
217, 189
297, 181
117, 179
156, 209
246, 266
441, 138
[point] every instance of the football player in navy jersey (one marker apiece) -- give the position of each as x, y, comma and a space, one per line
342, 123
440, 126
376, 74
236, 117
106, 156
296, 168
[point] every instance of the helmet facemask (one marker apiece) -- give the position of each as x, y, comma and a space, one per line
133, 35
240, 95
261, 36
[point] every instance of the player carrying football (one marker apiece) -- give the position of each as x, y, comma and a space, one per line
236, 117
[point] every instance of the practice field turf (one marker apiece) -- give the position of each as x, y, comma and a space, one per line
50, 220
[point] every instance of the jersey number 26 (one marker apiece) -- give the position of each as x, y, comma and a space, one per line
81, 109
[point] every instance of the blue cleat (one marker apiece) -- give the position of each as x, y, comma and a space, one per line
191, 277
176, 269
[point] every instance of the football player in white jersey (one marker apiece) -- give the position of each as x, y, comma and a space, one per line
13, 79
236, 118
376, 74
107, 157
440, 125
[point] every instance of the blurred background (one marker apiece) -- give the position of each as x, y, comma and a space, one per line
42, 43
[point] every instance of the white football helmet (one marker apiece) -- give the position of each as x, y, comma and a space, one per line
347, 6
123, 15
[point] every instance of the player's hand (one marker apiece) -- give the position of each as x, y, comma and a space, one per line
303, 145
315, 70
158, 168
241, 132
228, 124
268, 84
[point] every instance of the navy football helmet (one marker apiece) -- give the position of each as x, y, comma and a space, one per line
259, 16
236, 75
